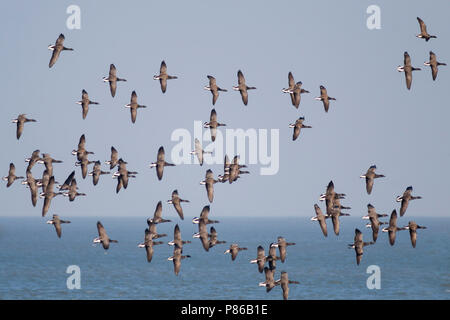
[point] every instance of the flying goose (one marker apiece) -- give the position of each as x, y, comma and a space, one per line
31, 183
73, 193
202, 234
176, 201
204, 216
57, 48
260, 258
433, 63
157, 215
320, 217
213, 124
284, 282
103, 237
160, 163
114, 160
56, 222
213, 238
122, 175
272, 256
96, 172
133, 105
234, 250
370, 176
163, 76
289, 89
148, 244
43, 182
412, 227
33, 159
85, 102
270, 283
112, 79
67, 182
282, 246
48, 195
405, 198
176, 259
226, 170
83, 163
234, 170
324, 98
152, 229
81, 151
214, 89
392, 229
407, 69
242, 87
296, 92
298, 125
358, 245
423, 31
21, 120
177, 241
330, 196
209, 183
11, 177
48, 161
199, 151
375, 223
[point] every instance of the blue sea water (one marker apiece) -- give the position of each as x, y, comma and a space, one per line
33, 261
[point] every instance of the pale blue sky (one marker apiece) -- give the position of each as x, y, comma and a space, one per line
375, 120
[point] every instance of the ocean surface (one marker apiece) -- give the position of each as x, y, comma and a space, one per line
33, 261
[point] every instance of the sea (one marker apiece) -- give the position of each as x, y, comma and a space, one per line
36, 264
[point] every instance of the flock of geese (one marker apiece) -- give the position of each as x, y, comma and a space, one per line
232, 172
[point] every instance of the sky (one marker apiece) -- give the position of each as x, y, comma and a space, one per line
375, 120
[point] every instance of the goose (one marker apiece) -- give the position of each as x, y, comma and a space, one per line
176, 201
97, 172
133, 105
375, 223
324, 98
284, 282
81, 151
48, 161
163, 76
392, 229
213, 124
11, 177
57, 48
112, 79
73, 193
157, 215
176, 259
334, 212
296, 92
272, 256
56, 222
43, 182
33, 159
199, 152
234, 250
234, 170
83, 163
103, 237
405, 198
177, 241
282, 246
270, 283
412, 227
31, 183
290, 88
330, 196
260, 258
214, 89
122, 175
160, 163
407, 69
298, 125
85, 102
370, 176
20, 121
153, 231
423, 31
433, 63
320, 217
209, 183
66, 184
226, 170
359, 245
48, 195
202, 234
148, 244
114, 160
213, 238
242, 87
204, 216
